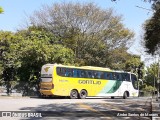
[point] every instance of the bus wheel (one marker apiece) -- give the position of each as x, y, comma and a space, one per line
74, 94
125, 95
112, 97
83, 94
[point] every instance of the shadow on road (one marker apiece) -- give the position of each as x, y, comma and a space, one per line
67, 97
117, 110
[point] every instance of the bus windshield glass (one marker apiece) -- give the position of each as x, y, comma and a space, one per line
134, 81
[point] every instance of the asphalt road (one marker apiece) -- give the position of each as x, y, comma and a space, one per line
63, 108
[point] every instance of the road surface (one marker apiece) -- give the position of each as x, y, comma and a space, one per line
84, 109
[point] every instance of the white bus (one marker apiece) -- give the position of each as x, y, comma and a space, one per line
85, 81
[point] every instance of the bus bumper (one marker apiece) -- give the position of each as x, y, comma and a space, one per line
47, 92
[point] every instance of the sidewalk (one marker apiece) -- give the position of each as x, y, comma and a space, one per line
155, 109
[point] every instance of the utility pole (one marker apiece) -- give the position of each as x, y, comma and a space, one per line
158, 81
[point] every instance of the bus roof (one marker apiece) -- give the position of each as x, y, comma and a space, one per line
89, 68
81, 67
124, 72
97, 68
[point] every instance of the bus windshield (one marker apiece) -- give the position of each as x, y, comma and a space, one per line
134, 81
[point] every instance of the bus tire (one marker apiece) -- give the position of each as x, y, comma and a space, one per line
125, 95
83, 94
112, 97
74, 94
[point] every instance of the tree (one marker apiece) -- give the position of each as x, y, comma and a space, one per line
88, 30
151, 74
122, 60
1, 10
36, 47
22, 55
151, 35
143, 0
151, 27
7, 66
151, 77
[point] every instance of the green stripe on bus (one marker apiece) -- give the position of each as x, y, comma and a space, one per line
115, 87
108, 86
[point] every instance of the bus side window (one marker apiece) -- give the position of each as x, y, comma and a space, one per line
63, 71
114, 77
74, 72
58, 71
100, 75
69, 72
95, 74
90, 74
119, 76
82, 75
108, 76
66, 72
103, 75
86, 74
125, 77
78, 73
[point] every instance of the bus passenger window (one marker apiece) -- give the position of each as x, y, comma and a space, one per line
119, 76
58, 71
90, 74
125, 77
103, 75
74, 72
85, 74
95, 74
99, 75
78, 73
69, 72
82, 74
61, 71
114, 76
108, 75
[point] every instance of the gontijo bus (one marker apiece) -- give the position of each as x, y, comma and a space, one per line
85, 81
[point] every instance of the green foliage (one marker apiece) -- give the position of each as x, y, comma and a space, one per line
152, 36
1, 10
72, 34
6, 59
92, 33
121, 60
151, 75
23, 54
149, 88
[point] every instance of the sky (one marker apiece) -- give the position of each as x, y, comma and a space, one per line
16, 12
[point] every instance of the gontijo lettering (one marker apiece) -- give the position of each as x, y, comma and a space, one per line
89, 82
